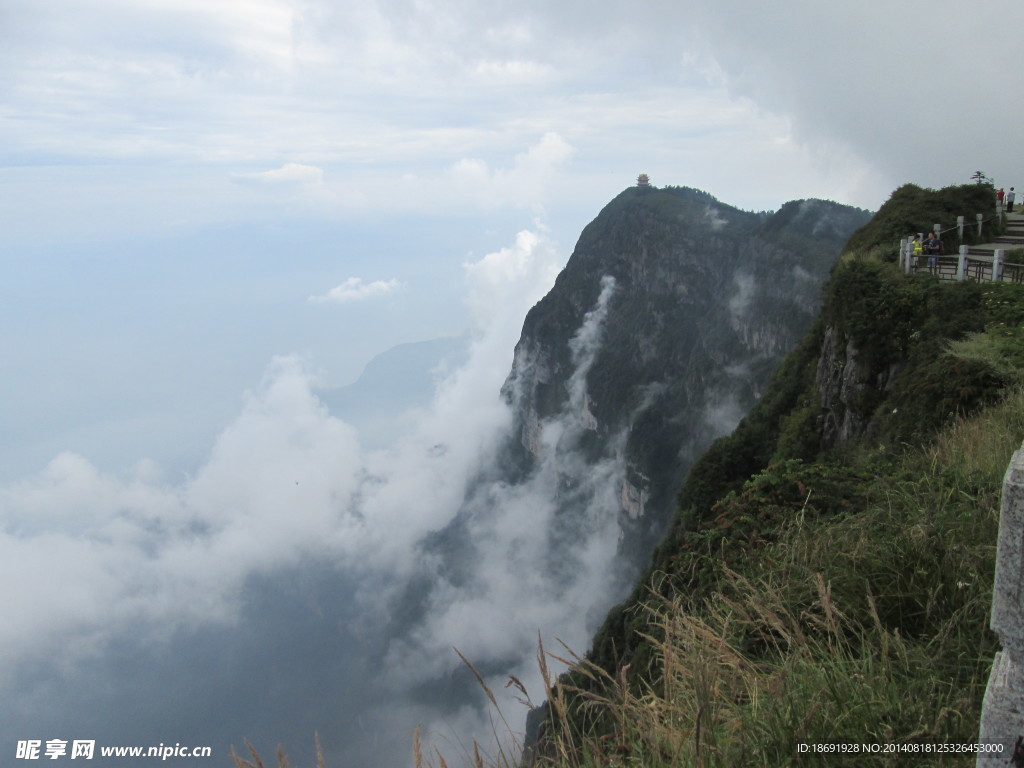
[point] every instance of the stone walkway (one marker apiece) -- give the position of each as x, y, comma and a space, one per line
1012, 238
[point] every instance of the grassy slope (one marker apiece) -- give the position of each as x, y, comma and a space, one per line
822, 602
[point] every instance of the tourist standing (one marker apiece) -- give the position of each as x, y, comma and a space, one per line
933, 247
1009, 200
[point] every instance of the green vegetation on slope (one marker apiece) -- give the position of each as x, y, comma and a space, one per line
821, 603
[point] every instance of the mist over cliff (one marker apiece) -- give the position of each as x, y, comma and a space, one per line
661, 331
301, 582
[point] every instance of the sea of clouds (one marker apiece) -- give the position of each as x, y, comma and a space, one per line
295, 582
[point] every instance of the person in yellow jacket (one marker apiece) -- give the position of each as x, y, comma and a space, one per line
917, 249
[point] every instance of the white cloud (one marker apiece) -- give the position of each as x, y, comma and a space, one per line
743, 292
387, 107
715, 95
506, 283
285, 483
524, 576
865, 99
354, 289
522, 184
95, 551
525, 72
289, 173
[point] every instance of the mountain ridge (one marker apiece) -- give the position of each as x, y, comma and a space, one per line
698, 321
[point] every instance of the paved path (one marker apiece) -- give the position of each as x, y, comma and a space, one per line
1012, 238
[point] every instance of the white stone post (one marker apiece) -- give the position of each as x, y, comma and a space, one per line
903, 251
961, 264
981, 219
960, 228
997, 265
1002, 714
908, 259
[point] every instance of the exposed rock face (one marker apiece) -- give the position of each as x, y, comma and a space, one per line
633, 500
707, 299
844, 382
841, 382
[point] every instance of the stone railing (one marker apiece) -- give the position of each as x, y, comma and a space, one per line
1002, 717
963, 265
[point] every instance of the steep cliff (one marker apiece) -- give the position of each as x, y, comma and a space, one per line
702, 301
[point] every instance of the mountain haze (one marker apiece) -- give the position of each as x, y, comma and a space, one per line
658, 335
381, 403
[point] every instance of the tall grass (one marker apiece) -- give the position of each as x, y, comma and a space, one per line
255, 761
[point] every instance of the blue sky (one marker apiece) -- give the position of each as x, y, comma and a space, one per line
211, 210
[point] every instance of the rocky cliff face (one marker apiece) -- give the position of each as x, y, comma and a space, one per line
845, 382
698, 302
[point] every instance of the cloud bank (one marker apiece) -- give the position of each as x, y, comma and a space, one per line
114, 565
399, 109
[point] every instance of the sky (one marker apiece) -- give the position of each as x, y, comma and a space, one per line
212, 211
191, 188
